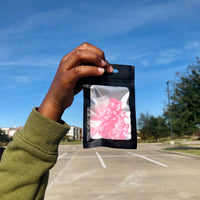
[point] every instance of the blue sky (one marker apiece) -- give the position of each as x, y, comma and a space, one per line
158, 37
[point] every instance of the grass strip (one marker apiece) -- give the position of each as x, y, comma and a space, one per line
78, 142
185, 149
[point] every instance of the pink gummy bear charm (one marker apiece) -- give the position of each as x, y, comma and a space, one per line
109, 122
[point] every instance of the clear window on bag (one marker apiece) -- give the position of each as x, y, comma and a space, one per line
109, 113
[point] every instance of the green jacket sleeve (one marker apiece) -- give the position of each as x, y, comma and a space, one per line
25, 163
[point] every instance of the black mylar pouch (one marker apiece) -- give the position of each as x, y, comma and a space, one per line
109, 109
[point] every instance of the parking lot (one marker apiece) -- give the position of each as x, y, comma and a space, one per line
116, 174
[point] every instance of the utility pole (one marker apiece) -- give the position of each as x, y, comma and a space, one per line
170, 119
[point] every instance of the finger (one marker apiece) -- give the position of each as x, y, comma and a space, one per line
84, 71
70, 78
108, 68
92, 48
81, 57
88, 47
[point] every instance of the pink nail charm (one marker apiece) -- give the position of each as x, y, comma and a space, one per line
109, 122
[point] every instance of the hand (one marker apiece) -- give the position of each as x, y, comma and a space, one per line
65, 85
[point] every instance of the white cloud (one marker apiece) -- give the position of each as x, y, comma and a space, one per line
126, 18
192, 45
101, 22
168, 56
158, 76
133, 57
22, 79
40, 19
145, 63
129, 16
31, 62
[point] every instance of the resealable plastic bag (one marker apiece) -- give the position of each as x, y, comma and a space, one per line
109, 109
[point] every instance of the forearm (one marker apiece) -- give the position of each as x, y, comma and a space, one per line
26, 162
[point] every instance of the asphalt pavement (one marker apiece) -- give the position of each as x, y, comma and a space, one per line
123, 174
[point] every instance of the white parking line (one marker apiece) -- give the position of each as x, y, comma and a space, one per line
59, 174
75, 178
123, 156
59, 157
101, 160
158, 163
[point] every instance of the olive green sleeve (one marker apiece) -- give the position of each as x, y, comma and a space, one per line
25, 163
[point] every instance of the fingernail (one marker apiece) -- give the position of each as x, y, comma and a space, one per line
101, 70
111, 68
103, 62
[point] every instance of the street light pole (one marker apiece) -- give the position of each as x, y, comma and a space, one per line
170, 120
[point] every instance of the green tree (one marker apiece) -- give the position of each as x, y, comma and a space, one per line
4, 138
152, 127
143, 124
161, 128
185, 101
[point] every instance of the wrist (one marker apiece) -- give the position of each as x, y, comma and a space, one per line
50, 110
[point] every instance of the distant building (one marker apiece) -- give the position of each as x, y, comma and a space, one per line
75, 133
138, 135
10, 131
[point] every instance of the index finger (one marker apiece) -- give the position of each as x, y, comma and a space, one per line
89, 47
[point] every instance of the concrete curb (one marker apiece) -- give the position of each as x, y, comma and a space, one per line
180, 153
